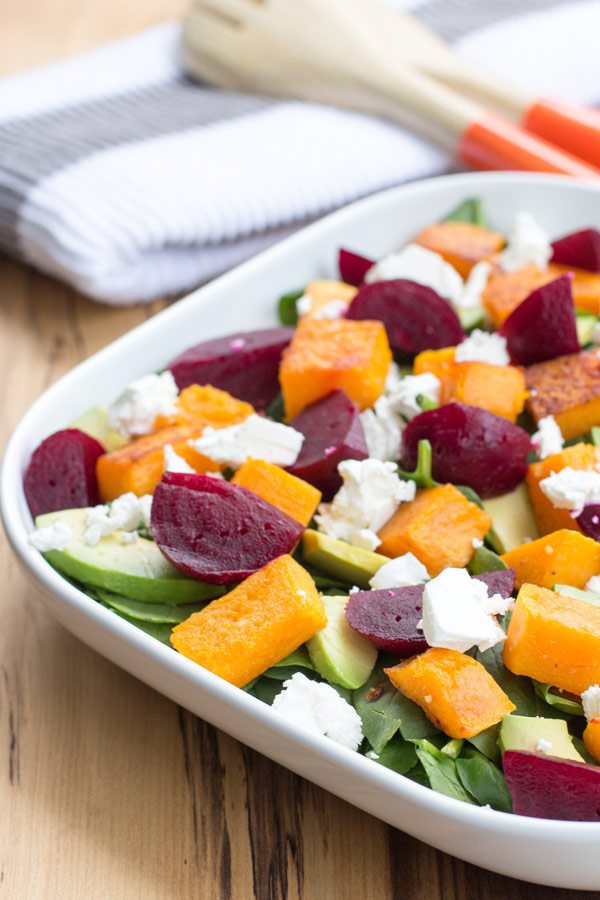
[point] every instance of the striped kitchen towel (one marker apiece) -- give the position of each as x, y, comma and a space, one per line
123, 178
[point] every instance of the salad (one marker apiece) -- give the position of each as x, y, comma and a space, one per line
381, 518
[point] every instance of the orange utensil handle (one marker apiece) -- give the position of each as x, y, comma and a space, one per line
494, 143
574, 128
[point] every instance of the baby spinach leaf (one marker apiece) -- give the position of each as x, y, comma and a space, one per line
487, 743
562, 704
156, 630
485, 560
481, 778
518, 688
276, 409
471, 211
287, 307
398, 754
422, 474
470, 494
266, 689
148, 612
442, 774
417, 773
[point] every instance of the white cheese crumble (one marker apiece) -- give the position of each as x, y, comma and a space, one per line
393, 378
370, 495
459, 614
403, 398
543, 745
174, 463
366, 539
593, 584
476, 543
416, 263
53, 537
383, 430
129, 537
319, 708
590, 700
527, 243
334, 309
127, 513
256, 437
474, 286
403, 571
571, 488
135, 410
481, 346
548, 439
304, 305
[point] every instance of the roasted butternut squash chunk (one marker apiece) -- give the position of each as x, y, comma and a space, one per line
290, 494
506, 290
499, 389
462, 244
554, 639
585, 286
323, 292
563, 557
584, 457
567, 388
206, 405
591, 738
438, 527
454, 690
439, 362
257, 624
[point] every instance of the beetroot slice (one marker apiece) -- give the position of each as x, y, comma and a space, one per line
353, 267
217, 531
415, 317
551, 788
580, 249
500, 582
388, 618
62, 472
245, 364
589, 520
332, 432
470, 446
543, 325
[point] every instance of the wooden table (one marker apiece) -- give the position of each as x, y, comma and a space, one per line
108, 790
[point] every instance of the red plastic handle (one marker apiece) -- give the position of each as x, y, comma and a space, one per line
574, 128
491, 142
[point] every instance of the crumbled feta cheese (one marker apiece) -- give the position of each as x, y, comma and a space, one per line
135, 410
383, 430
403, 398
593, 584
369, 496
175, 463
590, 700
334, 309
53, 537
126, 513
544, 746
416, 263
319, 708
365, 539
400, 572
129, 537
393, 378
256, 437
457, 612
476, 543
483, 347
527, 243
548, 439
474, 286
572, 488
304, 305
145, 506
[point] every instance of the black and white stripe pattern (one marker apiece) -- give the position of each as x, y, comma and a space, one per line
128, 181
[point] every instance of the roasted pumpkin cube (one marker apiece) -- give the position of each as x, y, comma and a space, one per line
499, 389
554, 639
439, 362
321, 293
563, 557
568, 388
290, 494
462, 244
455, 691
257, 624
329, 353
506, 290
583, 457
438, 527
206, 405
585, 286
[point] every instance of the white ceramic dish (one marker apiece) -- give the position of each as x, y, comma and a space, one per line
560, 854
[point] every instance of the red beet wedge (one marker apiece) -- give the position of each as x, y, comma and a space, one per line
217, 531
580, 249
551, 788
543, 325
353, 267
332, 432
388, 618
470, 446
245, 364
415, 317
500, 582
62, 473
589, 520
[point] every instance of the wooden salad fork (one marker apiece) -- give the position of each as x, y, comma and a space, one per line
333, 52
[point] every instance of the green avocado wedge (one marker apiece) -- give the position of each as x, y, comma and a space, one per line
338, 653
340, 559
138, 570
531, 734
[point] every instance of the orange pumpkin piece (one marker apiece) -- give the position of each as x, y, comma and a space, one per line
328, 353
591, 738
439, 362
257, 624
568, 388
563, 557
455, 691
499, 389
506, 290
554, 639
462, 244
582, 457
139, 465
438, 527
321, 293
292, 495
585, 286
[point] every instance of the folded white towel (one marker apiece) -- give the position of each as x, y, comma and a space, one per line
128, 181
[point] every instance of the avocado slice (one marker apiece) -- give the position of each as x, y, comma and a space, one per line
513, 518
340, 559
95, 423
470, 317
585, 324
567, 591
138, 571
525, 733
339, 653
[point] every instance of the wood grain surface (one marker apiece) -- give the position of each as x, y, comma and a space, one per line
107, 789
